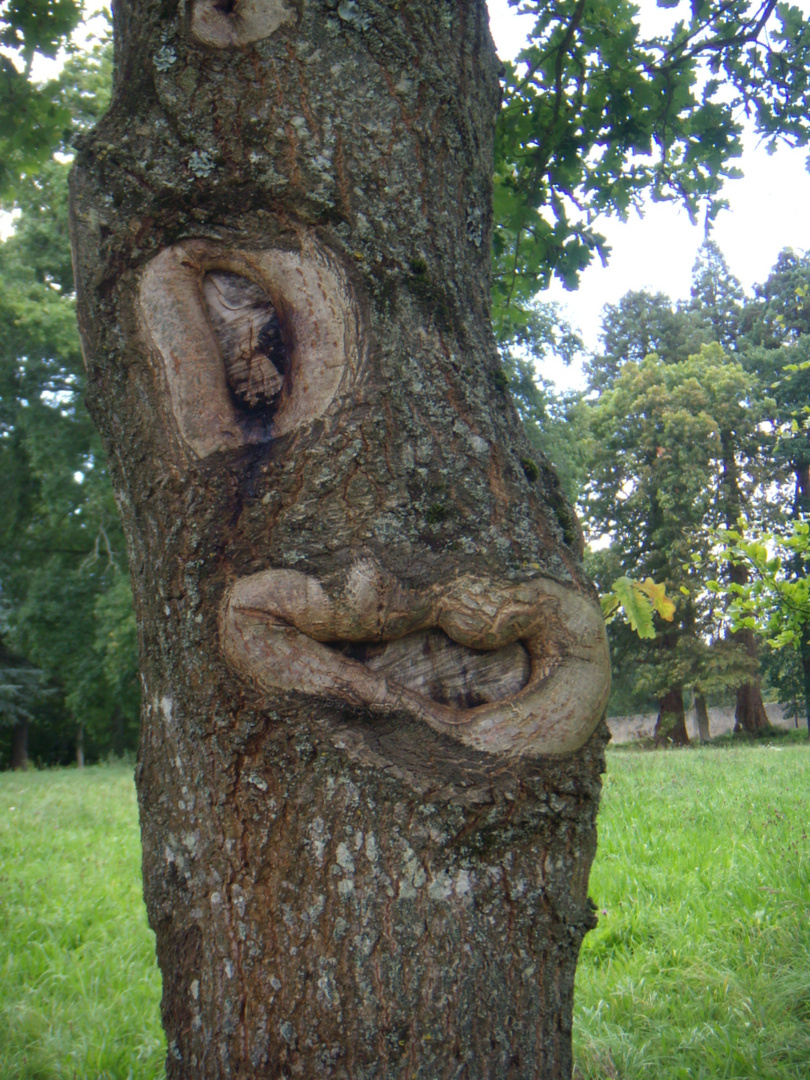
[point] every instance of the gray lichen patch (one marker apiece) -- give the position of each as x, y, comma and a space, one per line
351, 12
201, 163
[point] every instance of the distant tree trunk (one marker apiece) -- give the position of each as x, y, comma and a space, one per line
749, 716
19, 745
80, 746
801, 511
804, 654
373, 671
702, 715
670, 726
118, 744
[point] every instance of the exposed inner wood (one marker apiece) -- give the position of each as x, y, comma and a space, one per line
433, 665
228, 24
225, 355
248, 329
506, 668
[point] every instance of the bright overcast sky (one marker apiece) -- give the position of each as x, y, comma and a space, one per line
768, 212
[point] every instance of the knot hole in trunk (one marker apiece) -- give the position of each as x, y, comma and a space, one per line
251, 337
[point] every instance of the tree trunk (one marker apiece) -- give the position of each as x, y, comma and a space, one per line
373, 670
80, 746
670, 726
702, 714
749, 716
19, 745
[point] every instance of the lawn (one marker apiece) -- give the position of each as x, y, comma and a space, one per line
79, 988
700, 966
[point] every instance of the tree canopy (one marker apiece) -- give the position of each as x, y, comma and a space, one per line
608, 104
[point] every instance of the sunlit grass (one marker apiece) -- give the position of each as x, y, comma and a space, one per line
700, 967
79, 988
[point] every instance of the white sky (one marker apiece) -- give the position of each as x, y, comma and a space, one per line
768, 212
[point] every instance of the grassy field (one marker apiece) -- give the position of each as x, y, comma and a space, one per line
700, 967
79, 988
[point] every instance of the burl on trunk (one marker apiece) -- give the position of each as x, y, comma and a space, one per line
373, 671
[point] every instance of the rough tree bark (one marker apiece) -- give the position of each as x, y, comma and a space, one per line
373, 671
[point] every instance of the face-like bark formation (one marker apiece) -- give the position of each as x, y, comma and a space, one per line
253, 346
372, 665
250, 347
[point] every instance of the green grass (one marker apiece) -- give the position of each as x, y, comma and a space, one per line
700, 967
79, 988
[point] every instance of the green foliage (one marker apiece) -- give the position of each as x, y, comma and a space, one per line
717, 297
34, 120
552, 421
21, 685
637, 602
642, 323
596, 115
657, 489
775, 600
63, 569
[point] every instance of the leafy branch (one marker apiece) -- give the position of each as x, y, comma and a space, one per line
637, 602
775, 601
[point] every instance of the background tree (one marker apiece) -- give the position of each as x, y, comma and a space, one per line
555, 423
62, 563
718, 299
33, 118
656, 490
21, 685
642, 323
775, 347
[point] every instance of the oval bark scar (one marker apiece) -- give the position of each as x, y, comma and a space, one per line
204, 377
227, 24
